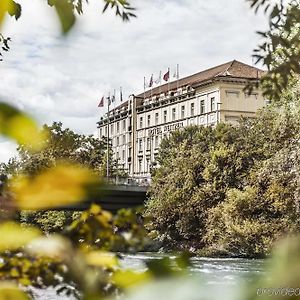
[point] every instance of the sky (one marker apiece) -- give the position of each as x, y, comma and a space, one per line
56, 78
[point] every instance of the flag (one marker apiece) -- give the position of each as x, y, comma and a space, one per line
121, 94
158, 80
167, 76
113, 97
151, 81
176, 72
101, 103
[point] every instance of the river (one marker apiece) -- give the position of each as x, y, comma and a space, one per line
212, 273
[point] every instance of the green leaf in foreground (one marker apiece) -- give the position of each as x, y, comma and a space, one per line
14, 236
65, 12
10, 7
9, 291
21, 127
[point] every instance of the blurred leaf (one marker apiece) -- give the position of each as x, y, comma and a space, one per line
102, 259
20, 127
13, 236
51, 246
183, 260
161, 267
65, 12
95, 209
4, 7
61, 185
15, 9
128, 278
9, 291
11, 7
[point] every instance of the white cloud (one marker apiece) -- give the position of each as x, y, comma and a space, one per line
62, 79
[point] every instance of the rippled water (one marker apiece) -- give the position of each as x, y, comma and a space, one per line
214, 271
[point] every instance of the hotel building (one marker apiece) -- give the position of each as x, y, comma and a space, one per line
137, 126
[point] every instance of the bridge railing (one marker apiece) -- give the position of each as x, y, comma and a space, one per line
132, 181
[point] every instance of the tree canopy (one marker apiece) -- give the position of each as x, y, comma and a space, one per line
230, 189
63, 145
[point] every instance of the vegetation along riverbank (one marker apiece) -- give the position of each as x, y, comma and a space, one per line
229, 190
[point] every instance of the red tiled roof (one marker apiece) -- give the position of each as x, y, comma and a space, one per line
232, 69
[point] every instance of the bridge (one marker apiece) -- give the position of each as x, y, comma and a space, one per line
113, 198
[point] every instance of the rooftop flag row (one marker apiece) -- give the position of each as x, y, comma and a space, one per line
158, 81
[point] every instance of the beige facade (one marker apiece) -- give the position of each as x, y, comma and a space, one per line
137, 126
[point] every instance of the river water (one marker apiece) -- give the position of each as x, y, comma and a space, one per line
214, 272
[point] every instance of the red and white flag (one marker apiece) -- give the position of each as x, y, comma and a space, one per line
101, 103
167, 76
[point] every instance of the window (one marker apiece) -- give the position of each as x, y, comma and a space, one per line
140, 166
212, 104
118, 141
130, 137
112, 128
149, 120
156, 142
148, 144
156, 118
105, 130
118, 127
140, 145
124, 139
173, 114
202, 107
124, 124
117, 155
192, 109
182, 112
232, 94
141, 122
148, 165
123, 155
100, 132
165, 116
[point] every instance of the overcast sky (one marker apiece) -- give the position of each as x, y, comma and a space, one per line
62, 79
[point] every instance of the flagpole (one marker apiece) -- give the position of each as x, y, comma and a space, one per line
169, 80
107, 154
151, 82
114, 99
121, 94
159, 89
177, 75
144, 87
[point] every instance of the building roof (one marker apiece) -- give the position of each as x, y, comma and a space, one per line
233, 69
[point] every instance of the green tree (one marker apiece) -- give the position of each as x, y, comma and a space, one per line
279, 50
64, 145
204, 171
